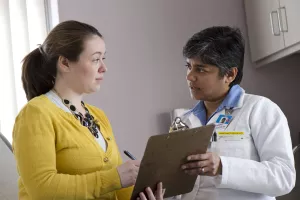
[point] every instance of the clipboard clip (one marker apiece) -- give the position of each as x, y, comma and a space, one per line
178, 124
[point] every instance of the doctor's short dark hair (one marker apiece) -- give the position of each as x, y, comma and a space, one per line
222, 46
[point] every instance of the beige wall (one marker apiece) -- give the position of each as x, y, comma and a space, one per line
146, 73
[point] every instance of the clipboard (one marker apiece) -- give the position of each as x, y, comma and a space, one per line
164, 156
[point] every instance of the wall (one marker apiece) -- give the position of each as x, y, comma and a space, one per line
146, 73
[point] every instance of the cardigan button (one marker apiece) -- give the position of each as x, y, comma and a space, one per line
105, 159
108, 138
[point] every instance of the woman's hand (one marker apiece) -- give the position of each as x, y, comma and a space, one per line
159, 194
208, 164
128, 172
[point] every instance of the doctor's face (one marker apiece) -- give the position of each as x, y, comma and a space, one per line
204, 81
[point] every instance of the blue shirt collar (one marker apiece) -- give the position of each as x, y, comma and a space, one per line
231, 101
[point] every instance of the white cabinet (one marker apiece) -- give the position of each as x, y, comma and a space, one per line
290, 21
263, 28
273, 29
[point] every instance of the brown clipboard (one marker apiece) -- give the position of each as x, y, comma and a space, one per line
164, 156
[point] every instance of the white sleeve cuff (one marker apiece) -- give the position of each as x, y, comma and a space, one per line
225, 172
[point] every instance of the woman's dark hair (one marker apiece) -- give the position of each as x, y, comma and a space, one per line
39, 66
221, 46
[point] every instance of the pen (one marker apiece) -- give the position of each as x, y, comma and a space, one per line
129, 155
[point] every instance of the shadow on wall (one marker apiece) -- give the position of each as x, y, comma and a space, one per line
163, 122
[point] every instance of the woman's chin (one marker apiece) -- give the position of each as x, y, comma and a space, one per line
93, 89
196, 97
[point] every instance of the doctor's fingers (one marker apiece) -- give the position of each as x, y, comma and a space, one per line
205, 156
196, 171
197, 164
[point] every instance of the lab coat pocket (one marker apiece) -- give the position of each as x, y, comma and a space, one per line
234, 144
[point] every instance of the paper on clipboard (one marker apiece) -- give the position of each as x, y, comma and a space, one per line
164, 156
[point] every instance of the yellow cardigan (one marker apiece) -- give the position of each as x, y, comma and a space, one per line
58, 158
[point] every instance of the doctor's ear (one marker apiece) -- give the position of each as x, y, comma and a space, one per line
63, 64
231, 75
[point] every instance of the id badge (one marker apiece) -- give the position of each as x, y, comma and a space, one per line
224, 119
220, 125
222, 122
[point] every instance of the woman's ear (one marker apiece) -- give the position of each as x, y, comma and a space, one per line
231, 75
63, 64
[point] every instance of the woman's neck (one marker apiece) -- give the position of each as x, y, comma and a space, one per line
212, 106
66, 93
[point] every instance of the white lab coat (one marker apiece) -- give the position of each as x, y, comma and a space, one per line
261, 167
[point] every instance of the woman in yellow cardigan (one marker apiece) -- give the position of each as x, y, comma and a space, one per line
65, 148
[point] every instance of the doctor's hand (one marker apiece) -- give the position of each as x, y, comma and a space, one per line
128, 172
208, 164
159, 194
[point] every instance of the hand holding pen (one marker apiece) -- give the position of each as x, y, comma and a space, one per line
128, 172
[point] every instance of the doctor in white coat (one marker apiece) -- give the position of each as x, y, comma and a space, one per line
250, 156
